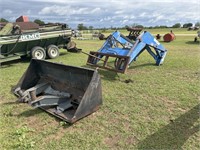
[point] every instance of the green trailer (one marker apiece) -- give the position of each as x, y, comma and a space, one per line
36, 44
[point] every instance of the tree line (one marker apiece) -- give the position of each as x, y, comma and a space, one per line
81, 26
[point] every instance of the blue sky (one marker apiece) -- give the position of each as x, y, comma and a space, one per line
104, 13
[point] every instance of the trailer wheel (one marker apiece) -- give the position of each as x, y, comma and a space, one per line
38, 53
52, 51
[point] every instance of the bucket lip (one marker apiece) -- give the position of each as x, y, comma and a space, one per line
56, 63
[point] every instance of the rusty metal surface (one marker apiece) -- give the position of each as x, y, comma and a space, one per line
67, 92
133, 33
168, 37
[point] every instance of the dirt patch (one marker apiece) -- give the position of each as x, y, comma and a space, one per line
56, 136
169, 104
40, 125
131, 140
112, 141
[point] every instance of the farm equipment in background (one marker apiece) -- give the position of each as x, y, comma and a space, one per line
133, 33
102, 36
67, 92
198, 36
169, 37
158, 36
125, 51
36, 44
193, 28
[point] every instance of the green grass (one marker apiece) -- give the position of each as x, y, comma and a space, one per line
159, 109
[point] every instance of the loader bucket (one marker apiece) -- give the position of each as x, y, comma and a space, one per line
67, 92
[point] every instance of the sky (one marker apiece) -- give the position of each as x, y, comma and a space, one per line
104, 13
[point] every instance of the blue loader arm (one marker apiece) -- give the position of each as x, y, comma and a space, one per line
126, 51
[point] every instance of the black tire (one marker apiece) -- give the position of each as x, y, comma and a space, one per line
93, 60
38, 53
119, 63
52, 51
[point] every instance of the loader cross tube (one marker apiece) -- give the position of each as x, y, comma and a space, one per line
121, 62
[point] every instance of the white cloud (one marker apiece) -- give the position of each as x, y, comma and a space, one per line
143, 14
106, 13
7, 11
124, 21
96, 10
68, 10
163, 1
106, 19
119, 12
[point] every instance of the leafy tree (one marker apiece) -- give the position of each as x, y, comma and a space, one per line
157, 26
134, 24
67, 26
38, 21
139, 26
91, 27
197, 24
187, 25
162, 26
113, 28
177, 25
3, 20
126, 26
190, 24
81, 27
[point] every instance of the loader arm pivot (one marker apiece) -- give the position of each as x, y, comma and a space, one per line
126, 51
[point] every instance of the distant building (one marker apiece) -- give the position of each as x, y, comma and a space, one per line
23, 23
22, 19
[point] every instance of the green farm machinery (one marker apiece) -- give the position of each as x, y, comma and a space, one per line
39, 44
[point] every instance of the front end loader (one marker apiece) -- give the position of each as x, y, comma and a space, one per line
125, 51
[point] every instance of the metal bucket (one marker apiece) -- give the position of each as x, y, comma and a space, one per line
67, 92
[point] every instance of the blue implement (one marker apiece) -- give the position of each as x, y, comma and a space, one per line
126, 51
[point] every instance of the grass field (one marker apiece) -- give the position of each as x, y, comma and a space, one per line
159, 109
162, 31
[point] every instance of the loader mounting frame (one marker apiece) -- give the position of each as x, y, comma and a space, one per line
126, 51
120, 65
